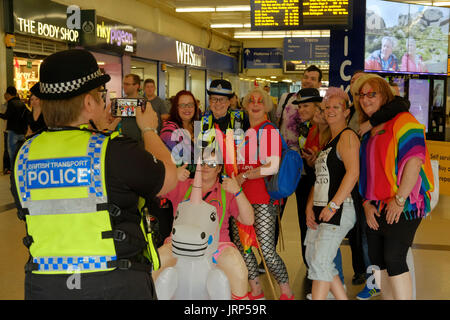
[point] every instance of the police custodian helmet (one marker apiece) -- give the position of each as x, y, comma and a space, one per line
68, 74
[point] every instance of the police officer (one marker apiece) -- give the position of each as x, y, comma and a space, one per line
220, 116
77, 189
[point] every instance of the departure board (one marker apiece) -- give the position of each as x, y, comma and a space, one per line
268, 15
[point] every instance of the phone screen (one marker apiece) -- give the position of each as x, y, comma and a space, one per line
126, 107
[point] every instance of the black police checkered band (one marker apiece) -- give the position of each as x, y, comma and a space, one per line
69, 86
219, 89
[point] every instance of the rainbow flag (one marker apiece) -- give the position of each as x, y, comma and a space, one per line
248, 236
228, 150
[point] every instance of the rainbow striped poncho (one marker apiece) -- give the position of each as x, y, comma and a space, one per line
383, 157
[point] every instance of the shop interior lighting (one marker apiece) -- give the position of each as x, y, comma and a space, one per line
282, 34
213, 9
232, 8
196, 9
230, 25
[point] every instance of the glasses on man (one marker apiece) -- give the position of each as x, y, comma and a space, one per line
369, 95
186, 105
220, 100
210, 164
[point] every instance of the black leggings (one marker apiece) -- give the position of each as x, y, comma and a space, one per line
388, 246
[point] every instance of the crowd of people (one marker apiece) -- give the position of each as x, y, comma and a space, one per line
366, 177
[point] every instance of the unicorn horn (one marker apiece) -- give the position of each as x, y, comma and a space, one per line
196, 195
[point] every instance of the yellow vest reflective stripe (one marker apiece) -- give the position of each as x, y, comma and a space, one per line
66, 202
208, 132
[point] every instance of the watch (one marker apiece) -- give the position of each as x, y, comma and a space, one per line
333, 205
400, 200
244, 176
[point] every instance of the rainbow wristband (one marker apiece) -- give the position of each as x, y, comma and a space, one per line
238, 193
331, 209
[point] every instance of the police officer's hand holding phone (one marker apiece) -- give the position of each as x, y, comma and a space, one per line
146, 117
108, 122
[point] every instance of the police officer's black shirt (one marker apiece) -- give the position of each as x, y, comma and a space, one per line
130, 172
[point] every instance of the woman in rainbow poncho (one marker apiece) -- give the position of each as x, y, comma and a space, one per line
395, 181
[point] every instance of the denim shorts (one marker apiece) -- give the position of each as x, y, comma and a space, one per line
323, 243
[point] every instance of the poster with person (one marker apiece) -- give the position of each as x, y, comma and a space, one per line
406, 38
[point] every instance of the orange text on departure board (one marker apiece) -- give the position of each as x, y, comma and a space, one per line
325, 7
273, 13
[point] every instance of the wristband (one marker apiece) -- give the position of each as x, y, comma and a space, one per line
149, 129
365, 201
238, 193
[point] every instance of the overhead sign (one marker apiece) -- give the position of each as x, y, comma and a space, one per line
44, 19
186, 55
46, 30
112, 35
158, 47
307, 49
275, 15
320, 13
263, 58
268, 15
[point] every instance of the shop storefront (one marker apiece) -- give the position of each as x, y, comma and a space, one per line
179, 65
40, 29
37, 35
112, 46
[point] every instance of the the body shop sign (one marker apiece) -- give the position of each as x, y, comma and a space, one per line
114, 36
46, 30
43, 19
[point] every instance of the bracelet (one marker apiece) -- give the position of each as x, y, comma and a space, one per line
331, 209
149, 129
238, 193
365, 201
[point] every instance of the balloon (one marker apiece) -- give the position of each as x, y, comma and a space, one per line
195, 237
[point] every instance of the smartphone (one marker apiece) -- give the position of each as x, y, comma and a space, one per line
126, 107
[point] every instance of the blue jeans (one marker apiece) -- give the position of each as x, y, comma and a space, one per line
13, 142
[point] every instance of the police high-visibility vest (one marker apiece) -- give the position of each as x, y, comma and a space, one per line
208, 132
60, 181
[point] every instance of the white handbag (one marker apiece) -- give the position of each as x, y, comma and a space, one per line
435, 194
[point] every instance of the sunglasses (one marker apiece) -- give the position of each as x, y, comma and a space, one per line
210, 164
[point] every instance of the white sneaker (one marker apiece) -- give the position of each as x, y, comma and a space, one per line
330, 296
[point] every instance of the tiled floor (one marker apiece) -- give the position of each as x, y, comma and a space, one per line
431, 252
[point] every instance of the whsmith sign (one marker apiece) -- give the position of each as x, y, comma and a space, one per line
161, 48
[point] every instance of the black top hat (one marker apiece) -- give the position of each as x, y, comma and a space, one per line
220, 87
308, 95
68, 74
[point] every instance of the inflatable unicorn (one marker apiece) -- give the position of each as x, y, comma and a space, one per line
195, 237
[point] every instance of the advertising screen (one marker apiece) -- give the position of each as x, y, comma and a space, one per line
419, 93
406, 38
